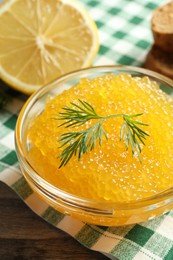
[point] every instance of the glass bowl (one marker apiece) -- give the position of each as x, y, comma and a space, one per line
87, 210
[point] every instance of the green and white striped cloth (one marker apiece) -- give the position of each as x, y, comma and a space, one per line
125, 38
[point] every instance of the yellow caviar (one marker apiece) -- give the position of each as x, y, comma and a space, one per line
109, 172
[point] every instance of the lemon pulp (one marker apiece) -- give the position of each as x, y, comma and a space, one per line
109, 172
41, 40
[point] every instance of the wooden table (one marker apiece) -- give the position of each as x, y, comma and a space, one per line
25, 236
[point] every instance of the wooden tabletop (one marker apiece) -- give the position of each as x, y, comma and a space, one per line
25, 236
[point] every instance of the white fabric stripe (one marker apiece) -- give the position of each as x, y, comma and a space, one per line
106, 243
104, 61
148, 256
70, 225
8, 141
133, 8
166, 228
96, 13
36, 204
10, 175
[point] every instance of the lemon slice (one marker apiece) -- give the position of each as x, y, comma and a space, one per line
43, 39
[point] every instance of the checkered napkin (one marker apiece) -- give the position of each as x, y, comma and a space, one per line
125, 37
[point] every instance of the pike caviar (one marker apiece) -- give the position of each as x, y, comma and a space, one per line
109, 172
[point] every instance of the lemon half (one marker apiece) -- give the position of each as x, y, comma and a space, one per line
43, 39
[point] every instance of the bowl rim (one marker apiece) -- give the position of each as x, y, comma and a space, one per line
66, 196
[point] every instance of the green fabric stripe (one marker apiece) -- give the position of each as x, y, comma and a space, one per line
88, 236
119, 34
93, 3
2, 167
52, 216
154, 223
120, 231
10, 158
99, 24
126, 60
151, 5
103, 49
143, 44
166, 90
22, 188
125, 250
162, 246
170, 213
11, 122
139, 234
136, 20
114, 10
169, 256
102, 228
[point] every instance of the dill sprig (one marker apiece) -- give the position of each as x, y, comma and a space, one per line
81, 142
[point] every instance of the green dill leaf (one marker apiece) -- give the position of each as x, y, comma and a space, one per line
80, 142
